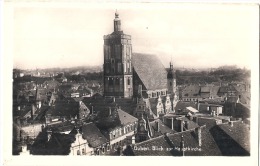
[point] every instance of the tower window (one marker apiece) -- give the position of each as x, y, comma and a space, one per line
127, 50
128, 81
117, 81
110, 81
119, 67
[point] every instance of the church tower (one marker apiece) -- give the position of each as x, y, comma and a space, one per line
118, 77
171, 81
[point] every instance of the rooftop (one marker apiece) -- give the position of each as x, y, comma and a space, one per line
150, 70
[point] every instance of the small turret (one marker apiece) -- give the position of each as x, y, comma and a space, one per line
117, 23
171, 80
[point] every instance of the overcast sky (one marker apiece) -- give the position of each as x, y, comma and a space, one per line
194, 36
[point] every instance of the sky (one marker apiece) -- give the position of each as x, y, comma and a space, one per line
192, 36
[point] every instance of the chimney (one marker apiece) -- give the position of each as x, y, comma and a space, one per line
231, 123
198, 134
140, 91
186, 124
92, 109
157, 126
49, 132
182, 146
172, 124
198, 106
109, 109
181, 126
197, 119
33, 110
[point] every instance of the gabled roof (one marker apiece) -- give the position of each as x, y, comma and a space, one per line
205, 89
93, 135
59, 144
191, 91
226, 89
126, 118
150, 70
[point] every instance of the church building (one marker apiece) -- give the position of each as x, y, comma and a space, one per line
128, 75
138, 76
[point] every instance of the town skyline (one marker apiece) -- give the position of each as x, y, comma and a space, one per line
70, 37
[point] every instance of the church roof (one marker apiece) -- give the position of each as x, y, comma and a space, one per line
150, 70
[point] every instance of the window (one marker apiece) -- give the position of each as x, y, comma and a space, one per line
128, 67
117, 81
117, 51
163, 93
78, 152
170, 83
83, 151
127, 50
128, 81
110, 81
103, 150
119, 67
153, 94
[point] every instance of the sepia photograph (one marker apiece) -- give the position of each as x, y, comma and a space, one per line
132, 79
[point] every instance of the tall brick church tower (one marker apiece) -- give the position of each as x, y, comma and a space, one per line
118, 77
